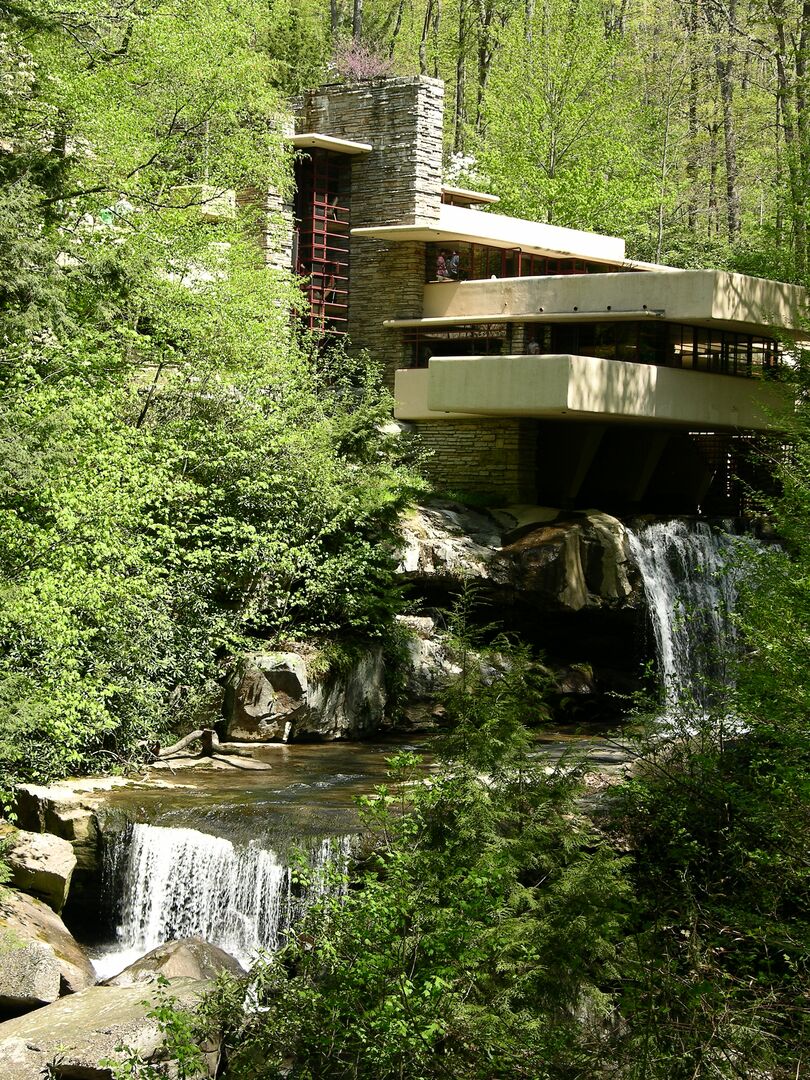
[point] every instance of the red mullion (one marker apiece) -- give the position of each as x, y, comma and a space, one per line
326, 239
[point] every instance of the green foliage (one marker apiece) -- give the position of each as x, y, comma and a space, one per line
715, 969
552, 104
180, 469
477, 940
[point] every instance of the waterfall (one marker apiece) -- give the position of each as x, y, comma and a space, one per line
178, 882
691, 588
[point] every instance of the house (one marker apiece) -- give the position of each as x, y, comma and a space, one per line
552, 368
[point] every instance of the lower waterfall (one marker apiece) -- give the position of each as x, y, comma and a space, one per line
691, 585
178, 882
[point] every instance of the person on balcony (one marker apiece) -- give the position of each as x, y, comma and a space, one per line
454, 265
442, 272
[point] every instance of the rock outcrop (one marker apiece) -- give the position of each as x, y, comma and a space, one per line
40, 864
431, 667
190, 958
62, 812
82, 1030
574, 563
287, 697
446, 543
550, 559
29, 973
25, 919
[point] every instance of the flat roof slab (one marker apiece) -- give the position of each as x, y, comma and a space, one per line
313, 140
463, 225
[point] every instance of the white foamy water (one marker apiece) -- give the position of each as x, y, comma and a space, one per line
691, 587
177, 883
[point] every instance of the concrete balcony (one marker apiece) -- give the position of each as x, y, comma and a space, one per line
587, 388
700, 297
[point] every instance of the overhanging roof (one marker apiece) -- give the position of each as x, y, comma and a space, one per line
313, 140
461, 224
466, 195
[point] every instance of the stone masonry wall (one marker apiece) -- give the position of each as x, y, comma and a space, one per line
276, 233
489, 456
397, 183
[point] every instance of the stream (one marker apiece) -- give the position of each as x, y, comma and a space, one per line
211, 854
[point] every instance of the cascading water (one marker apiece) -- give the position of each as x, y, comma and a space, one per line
178, 882
691, 587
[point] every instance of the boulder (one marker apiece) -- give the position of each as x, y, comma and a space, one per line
64, 813
29, 973
288, 697
40, 864
431, 666
27, 919
190, 958
346, 705
446, 543
579, 562
540, 557
82, 1030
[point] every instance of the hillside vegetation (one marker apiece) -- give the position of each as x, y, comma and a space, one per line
179, 467
180, 471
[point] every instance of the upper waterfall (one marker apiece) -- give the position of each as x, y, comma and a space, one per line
691, 585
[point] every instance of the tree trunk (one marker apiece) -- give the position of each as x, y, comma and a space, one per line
802, 131
423, 70
725, 79
485, 53
357, 20
459, 117
711, 216
792, 156
694, 93
396, 30
437, 18
724, 66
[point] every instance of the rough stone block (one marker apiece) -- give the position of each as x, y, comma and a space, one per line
41, 864
29, 920
29, 973
284, 697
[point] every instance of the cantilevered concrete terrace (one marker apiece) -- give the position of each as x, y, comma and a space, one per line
596, 387
698, 297
585, 388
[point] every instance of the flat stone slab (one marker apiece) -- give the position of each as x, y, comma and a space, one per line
81, 1030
